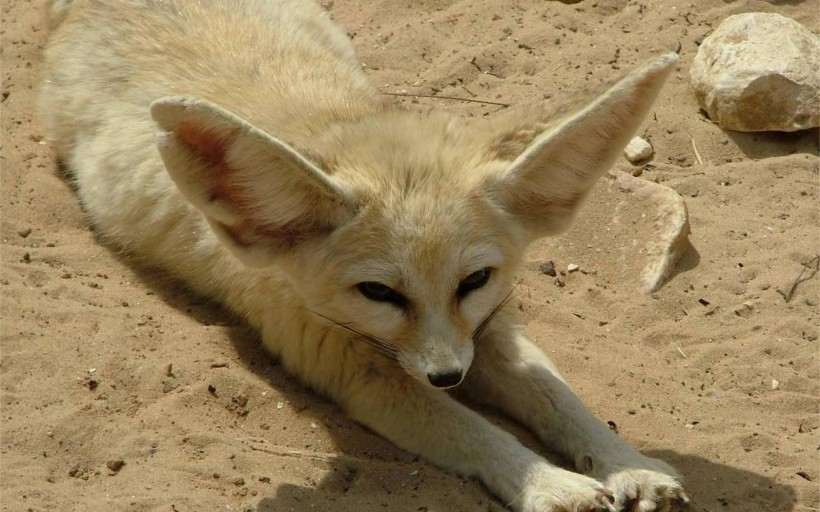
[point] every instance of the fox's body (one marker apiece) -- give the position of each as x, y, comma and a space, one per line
373, 248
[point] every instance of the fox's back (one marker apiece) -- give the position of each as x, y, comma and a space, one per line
268, 61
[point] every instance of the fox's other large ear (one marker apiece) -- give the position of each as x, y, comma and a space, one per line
260, 196
547, 182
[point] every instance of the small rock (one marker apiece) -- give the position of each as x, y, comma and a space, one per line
548, 268
92, 384
115, 465
638, 149
744, 309
758, 72
572, 267
775, 384
24, 233
241, 399
76, 472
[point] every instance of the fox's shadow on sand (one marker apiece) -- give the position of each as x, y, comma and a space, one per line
368, 473
713, 487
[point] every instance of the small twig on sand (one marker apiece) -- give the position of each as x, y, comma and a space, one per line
813, 265
695, 149
416, 95
475, 65
283, 451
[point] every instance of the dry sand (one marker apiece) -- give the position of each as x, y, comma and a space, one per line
104, 361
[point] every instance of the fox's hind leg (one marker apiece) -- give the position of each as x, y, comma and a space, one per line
510, 373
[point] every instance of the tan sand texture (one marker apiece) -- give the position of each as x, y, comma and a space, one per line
121, 391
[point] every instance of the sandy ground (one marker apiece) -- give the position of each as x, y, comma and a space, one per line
122, 391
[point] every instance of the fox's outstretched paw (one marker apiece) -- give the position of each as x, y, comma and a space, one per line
569, 492
646, 485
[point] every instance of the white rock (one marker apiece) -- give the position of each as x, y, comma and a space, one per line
572, 267
759, 72
634, 232
638, 149
670, 223
775, 384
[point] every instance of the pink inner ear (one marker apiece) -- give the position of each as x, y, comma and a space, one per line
204, 143
211, 147
246, 234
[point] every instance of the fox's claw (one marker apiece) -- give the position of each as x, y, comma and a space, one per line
650, 487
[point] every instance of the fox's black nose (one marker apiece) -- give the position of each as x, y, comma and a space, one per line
445, 380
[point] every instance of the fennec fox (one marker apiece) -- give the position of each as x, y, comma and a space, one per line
237, 145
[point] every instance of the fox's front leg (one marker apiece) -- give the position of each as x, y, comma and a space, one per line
430, 423
510, 373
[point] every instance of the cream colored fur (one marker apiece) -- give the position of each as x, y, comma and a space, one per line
237, 145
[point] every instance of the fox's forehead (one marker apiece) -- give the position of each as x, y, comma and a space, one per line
406, 153
437, 238
404, 270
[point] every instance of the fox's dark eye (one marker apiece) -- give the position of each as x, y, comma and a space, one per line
473, 282
381, 293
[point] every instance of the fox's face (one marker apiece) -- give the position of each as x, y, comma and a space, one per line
426, 256
416, 279
403, 229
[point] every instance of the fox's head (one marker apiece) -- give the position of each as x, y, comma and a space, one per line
404, 229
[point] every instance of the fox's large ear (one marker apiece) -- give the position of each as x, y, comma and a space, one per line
259, 195
547, 182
